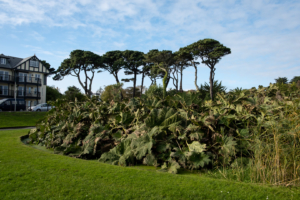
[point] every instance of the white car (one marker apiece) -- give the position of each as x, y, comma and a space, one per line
41, 107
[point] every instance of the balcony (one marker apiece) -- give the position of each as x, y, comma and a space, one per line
7, 93
29, 80
29, 94
4, 93
7, 78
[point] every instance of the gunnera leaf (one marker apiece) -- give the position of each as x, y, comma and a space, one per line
171, 167
150, 160
197, 160
196, 147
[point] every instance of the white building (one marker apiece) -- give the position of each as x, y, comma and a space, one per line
26, 78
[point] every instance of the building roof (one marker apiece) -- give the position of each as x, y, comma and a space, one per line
23, 60
11, 61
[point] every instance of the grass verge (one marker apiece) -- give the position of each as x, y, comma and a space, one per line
15, 119
28, 173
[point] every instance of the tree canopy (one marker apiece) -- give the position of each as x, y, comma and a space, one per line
133, 61
80, 61
155, 64
52, 94
162, 60
210, 52
74, 92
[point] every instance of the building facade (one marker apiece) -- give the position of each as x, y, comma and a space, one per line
23, 79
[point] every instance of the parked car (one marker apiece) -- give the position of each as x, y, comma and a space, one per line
9, 105
41, 107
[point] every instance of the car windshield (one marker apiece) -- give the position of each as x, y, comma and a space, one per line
39, 104
1, 101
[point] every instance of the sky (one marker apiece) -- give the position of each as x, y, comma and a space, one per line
263, 35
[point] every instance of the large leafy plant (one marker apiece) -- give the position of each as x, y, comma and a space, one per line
180, 131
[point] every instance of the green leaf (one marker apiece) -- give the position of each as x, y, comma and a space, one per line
196, 147
174, 167
150, 160
197, 159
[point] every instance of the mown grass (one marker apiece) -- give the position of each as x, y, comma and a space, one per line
28, 173
15, 119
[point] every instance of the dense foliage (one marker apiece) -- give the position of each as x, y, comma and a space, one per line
182, 131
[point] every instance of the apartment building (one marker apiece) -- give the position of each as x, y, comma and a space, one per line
23, 78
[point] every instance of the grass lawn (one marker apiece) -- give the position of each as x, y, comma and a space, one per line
15, 119
28, 173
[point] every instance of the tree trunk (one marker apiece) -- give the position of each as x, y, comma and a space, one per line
143, 75
168, 80
211, 84
181, 90
134, 83
165, 84
117, 79
196, 76
177, 81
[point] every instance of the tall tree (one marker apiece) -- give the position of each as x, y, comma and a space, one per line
162, 60
113, 62
210, 52
175, 78
184, 59
281, 80
146, 70
133, 61
187, 56
80, 61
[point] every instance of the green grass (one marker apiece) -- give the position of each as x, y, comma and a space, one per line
16, 119
29, 173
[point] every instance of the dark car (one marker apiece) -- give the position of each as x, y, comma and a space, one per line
9, 105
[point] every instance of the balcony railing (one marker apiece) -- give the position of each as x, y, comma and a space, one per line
7, 78
29, 79
20, 93
6, 93
32, 94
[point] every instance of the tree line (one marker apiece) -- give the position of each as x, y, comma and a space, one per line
155, 64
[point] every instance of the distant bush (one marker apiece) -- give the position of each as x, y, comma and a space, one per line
154, 91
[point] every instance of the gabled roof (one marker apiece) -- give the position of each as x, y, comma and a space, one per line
24, 60
14, 62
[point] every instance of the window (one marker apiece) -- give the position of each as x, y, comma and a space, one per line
7, 102
34, 63
3, 61
36, 90
22, 77
20, 91
3, 90
37, 77
4, 76
35, 103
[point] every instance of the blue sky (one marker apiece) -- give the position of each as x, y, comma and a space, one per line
264, 35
